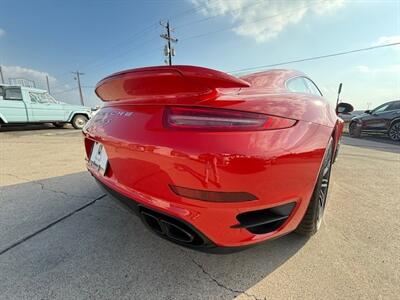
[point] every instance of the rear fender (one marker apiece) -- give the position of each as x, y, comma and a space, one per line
338, 131
336, 135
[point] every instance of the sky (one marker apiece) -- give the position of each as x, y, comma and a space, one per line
55, 37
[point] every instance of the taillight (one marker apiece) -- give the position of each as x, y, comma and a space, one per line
215, 119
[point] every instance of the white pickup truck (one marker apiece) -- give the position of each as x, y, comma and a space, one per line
23, 105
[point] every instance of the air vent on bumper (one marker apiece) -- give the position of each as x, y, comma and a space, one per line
266, 220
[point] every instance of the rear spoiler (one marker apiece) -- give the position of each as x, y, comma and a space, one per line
166, 84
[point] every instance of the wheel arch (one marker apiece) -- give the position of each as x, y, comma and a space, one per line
355, 121
395, 120
75, 113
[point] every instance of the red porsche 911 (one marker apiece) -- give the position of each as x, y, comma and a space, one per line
212, 161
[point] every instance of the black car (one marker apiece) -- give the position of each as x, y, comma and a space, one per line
383, 119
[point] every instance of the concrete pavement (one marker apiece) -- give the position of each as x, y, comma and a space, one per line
61, 239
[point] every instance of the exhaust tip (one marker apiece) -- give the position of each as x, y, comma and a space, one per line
177, 233
170, 228
152, 222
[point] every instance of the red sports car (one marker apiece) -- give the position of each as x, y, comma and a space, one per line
212, 161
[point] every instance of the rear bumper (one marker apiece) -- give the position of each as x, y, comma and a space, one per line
216, 223
278, 167
136, 207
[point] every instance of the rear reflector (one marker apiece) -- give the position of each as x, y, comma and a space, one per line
214, 119
212, 196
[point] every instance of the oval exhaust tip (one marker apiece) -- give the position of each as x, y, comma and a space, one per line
177, 233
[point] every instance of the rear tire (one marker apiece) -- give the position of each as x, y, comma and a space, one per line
79, 121
354, 130
394, 131
312, 219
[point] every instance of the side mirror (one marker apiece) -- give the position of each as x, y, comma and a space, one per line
368, 111
344, 108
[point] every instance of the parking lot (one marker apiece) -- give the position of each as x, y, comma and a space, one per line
61, 237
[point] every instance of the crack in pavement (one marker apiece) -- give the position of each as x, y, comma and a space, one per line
213, 279
24, 239
43, 186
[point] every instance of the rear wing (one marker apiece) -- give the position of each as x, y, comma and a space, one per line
166, 84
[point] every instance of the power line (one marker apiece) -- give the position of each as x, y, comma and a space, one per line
64, 91
153, 25
289, 13
99, 64
74, 88
314, 58
132, 38
124, 53
255, 3
95, 63
192, 11
141, 54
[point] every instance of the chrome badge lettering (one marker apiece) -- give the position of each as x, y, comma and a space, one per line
104, 118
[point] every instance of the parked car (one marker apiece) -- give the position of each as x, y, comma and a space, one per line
383, 119
23, 105
211, 161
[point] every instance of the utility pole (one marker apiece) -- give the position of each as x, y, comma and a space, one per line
1, 75
169, 51
48, 85
77, 74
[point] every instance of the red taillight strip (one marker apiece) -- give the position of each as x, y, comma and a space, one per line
187, 120
215, 119
212, 196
